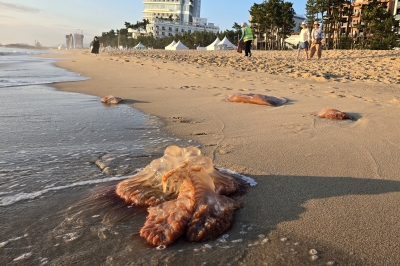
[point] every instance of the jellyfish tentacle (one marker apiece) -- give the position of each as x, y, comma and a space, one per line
213, 213
168, 221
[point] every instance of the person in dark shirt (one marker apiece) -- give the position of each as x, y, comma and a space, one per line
95, 45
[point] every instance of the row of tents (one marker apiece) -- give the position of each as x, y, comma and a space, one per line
139, 46
225, 44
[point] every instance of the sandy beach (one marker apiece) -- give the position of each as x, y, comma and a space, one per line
328, 185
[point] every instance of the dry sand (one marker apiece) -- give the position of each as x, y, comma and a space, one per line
334, 185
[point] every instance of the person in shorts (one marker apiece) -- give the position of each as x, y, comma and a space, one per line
305, 38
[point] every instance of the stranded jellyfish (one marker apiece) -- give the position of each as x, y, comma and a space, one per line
332, 114
185, 196
255, 99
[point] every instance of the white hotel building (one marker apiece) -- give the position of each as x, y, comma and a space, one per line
170, 17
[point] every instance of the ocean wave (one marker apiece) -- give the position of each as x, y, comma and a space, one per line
16, 53
4, 51
32, 83
247, 179
9, 200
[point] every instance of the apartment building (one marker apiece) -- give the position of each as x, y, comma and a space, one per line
170, 17
389, 5
352, 17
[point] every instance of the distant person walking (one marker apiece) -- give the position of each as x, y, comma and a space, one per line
95, 45
316, 37
247, 37
305, 38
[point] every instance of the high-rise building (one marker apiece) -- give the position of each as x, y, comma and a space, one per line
170, 17
182, 10
74, 41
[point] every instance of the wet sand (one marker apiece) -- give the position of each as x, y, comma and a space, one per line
327, 185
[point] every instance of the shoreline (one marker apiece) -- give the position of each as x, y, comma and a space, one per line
329, 185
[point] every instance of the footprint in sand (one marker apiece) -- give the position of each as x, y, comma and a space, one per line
368, 99
338, 95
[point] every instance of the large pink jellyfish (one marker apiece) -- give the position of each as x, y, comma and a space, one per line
185, 194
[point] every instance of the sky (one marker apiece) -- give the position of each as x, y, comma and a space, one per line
48, 21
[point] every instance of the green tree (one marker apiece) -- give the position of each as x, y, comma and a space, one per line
336, 15
258, 21
234, 35
287, 23
377, 27
311, 11
274, 20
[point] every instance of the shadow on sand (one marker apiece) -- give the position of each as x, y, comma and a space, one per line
283, 196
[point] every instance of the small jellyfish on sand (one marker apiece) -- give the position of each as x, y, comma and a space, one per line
256, 99
333, 114
185, 196
111, 99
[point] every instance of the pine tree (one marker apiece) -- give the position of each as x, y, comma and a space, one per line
377, 26
274, 19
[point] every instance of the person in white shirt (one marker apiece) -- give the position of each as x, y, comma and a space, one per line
305, 38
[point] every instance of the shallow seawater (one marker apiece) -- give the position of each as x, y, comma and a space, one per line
50, 141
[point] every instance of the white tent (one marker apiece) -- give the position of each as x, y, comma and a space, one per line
62, 47
168, 47
140, 46
179, 46
292, 40
226, 43
213, 46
